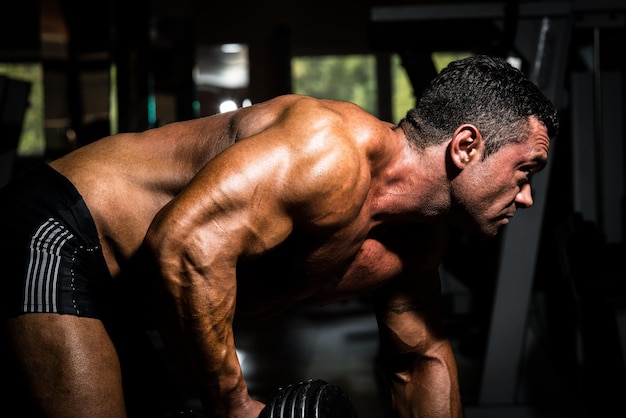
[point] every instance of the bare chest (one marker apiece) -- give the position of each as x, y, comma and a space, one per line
301, 271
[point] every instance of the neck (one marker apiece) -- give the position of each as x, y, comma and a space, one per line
413, 185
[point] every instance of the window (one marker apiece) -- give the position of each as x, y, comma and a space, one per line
32, 141
341, 77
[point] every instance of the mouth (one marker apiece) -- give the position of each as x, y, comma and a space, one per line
506, 218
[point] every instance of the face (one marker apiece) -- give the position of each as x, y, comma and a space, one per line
487, 193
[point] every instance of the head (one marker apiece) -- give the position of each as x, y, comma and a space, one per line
486, 92
496, 126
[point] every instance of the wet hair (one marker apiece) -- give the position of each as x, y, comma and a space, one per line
484, 91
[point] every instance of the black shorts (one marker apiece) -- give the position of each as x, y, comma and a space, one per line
52, 260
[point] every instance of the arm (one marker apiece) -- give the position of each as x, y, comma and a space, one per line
196, 242
418, 359
244, 202
417, 356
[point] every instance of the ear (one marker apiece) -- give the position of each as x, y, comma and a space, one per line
466, 145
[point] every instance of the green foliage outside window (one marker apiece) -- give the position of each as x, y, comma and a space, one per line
32, 140
341, 77
352, 78
402, 93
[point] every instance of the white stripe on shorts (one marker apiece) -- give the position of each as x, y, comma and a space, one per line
43, 268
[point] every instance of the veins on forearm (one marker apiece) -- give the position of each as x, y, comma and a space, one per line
402, 307
411, 305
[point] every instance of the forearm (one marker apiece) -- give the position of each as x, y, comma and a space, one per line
427, 387
206, 354
195, 319
421, 368
206, 343
217, 374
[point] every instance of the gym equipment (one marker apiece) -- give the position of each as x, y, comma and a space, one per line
313, 398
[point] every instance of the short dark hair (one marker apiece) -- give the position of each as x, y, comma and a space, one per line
485, 91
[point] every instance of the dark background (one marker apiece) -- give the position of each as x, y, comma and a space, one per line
539, 325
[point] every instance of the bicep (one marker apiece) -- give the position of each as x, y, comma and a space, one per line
408, 313
408, 309
248, 199
198, 238
222, 214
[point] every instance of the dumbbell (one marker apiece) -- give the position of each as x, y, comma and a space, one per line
313, 398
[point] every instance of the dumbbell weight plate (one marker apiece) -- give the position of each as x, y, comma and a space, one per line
313, 398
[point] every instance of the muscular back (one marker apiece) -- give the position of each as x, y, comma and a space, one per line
299, 200
127, 179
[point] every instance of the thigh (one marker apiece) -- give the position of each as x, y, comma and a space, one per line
68, 365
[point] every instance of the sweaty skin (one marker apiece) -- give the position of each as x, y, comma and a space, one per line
290, 201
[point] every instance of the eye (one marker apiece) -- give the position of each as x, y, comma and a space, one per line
527, 172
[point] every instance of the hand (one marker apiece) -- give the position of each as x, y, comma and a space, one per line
250, 409
253, 409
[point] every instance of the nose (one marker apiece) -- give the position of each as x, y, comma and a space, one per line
525, 196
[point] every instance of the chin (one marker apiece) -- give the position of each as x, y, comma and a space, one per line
486, 230
484, 236
500, 229
489, 232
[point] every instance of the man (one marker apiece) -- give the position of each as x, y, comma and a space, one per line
291, 201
